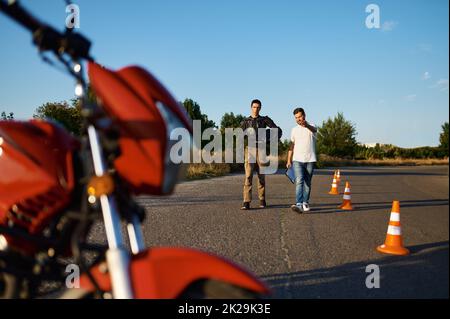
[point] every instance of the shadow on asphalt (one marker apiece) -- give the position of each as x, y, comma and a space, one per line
372, 171
378, 173
422, 274
332, 208
315, 208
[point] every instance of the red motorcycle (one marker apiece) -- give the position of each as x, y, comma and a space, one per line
53, 186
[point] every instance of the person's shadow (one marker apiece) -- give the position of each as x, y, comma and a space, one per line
422, 274
327, 208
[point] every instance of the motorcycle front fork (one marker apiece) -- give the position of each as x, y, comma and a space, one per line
117, 256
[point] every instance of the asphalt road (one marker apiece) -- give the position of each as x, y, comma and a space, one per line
323, 253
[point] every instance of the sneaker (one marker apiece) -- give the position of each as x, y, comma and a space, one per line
297, 208
306, 207
262, 203
245, 206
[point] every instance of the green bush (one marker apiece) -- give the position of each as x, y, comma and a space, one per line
336, 137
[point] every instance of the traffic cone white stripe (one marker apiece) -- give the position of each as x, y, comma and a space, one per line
395, 217
347, 197
347, 190
394, 230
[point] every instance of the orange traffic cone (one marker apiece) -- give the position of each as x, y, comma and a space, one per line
394, 244
347, 203
334, 190
338, 176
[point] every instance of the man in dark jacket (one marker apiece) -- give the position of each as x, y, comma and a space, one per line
255, 121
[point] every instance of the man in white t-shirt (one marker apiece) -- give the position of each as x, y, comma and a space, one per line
302, 158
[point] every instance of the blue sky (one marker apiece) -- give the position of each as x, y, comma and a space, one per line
392, 82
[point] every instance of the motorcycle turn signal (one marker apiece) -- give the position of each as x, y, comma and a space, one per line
100, 185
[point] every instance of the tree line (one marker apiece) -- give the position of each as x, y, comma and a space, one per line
336, 136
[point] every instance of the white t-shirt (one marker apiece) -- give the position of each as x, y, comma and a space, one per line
304, 144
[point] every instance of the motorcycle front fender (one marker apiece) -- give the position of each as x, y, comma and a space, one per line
165, 272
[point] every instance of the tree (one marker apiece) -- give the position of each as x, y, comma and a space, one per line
336, 137
67, 115
229, 120
6, 117
194, 111
443, 138
283, 146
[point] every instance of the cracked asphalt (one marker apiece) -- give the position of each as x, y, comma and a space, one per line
323, 253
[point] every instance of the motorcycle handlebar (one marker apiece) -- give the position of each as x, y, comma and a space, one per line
18, 13
46, 37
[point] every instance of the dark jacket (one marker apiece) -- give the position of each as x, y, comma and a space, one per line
260, 122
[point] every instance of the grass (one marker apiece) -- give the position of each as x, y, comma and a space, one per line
202, 170
326, 161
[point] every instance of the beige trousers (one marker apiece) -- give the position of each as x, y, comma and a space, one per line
248, 182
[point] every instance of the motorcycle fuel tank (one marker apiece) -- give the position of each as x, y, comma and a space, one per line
36, 172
